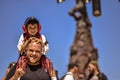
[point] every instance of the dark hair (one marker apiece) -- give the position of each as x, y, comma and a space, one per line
11, 64
31, 20
71, 65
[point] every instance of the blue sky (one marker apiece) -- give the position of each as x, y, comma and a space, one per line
59, 28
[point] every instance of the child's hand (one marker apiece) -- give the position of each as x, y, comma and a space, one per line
24, 46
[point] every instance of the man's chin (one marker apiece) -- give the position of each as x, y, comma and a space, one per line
33, 62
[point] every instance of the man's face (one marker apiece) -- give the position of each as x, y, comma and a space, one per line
76, 69
33, 53
91, 68
32, 29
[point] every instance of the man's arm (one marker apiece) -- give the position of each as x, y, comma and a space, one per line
15, 74
18, 73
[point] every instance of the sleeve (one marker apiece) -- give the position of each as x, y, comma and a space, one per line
68, 77
20, 42
53, 78
46, 45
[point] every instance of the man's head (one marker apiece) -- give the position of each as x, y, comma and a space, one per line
73, 67
34, 51
31, 26
93, 66
11, 65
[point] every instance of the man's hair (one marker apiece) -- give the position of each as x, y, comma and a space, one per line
11, 65
71, 65
95, 63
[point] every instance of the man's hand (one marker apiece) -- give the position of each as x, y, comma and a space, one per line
18, 73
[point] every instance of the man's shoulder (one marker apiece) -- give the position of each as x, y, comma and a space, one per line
66, 75
102, 76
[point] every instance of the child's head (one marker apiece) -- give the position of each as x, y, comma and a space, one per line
31, 26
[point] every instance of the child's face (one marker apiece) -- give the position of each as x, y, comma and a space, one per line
32, 29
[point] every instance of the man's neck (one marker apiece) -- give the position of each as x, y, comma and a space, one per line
37, 63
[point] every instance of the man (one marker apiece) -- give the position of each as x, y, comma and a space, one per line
94, 71
33, 67
72, 72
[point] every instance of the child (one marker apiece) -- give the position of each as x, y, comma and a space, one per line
31, 28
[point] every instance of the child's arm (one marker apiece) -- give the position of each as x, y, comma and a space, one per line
23, 46
46, 45
20, 42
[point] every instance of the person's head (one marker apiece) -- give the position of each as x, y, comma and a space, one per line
93, 66
11, 65
31, 26
34, 51
73, 67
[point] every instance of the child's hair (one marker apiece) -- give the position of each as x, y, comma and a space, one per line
31, 20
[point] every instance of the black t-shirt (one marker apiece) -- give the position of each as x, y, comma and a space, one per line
33, 72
